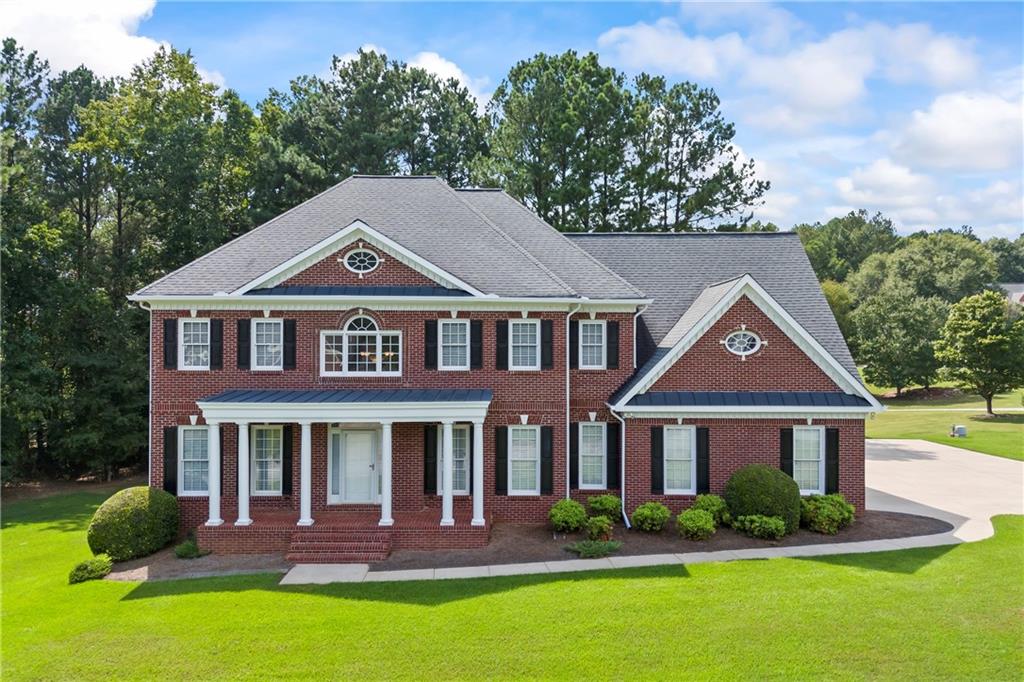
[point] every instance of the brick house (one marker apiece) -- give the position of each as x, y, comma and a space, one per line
395, 363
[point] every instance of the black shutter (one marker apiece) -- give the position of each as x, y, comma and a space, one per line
476, 344
430, 459
501, 345
574, 456
574, 344
786, 449
242, 352
289, 344
430, 344
501, 460
171, 459
613, 344
547, 350
657, 460
547, 460
612, 454
216, 344
286, 460
170, 344
831, 461
703, 460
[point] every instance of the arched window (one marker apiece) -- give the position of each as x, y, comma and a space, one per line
361, 349
361, 324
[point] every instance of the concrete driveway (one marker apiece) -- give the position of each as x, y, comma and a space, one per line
963, 487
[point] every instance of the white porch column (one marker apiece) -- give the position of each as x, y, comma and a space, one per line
243, 475
478, 473
213, 472
306, 475
385, 475
447, 477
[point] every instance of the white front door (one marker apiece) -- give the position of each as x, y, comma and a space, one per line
353, 470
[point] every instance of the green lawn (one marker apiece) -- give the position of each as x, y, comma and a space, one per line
1002, 435
941, 613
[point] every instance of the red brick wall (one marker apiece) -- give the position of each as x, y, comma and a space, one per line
331, 271
780, 365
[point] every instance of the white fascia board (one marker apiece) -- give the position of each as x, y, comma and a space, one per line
344, 412
339, 239
748, 286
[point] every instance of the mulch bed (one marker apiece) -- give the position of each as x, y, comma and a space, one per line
165, 566
514, 543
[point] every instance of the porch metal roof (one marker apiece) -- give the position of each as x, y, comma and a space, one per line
379, 395
747, 399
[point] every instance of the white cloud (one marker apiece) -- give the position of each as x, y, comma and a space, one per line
665, 47
444, 69
365, 47
769, 26
885, 185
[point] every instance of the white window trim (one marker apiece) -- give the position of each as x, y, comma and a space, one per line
181, 344
604, 344
820, 490
361, 249
181, 463
693, 460
252, 344
524, 368
508, 474
440, 460
604, 455
324, 333
252, 460
440, 346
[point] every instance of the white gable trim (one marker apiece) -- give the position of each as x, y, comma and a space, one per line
337, 241
748, 286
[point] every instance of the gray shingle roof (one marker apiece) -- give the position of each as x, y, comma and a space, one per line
370, 395
747, 399
505, 255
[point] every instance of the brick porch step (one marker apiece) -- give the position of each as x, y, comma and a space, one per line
326, 545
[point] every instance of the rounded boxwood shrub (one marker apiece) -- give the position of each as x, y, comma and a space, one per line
760, 526
567, 516
90, 569
825, 513
605, 505
714, 505
696, 524
758, 489
599, 528
134, 522
651, 517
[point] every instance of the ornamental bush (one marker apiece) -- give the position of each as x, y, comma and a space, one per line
760, 526
825, 513
190, 549
714, 505
593, 549
134, 522
696, 524
90, 569
758, 489
567, 516
605, 505
651, 517
599, 528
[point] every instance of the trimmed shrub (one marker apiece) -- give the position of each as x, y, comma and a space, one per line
651, 517
134, 522
593, 549
758, 489
599, 528
605, 505
90, 569
190, 549
567, 516
696, 524
760, 526
714, 505
825, 513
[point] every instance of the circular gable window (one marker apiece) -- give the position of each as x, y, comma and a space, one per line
361, 261
742, 343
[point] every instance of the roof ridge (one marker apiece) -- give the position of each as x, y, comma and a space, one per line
509, 239
651, 233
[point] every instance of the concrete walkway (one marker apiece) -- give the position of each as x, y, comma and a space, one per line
911, 476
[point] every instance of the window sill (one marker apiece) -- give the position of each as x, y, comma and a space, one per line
255, 494
183, 494
193, 369
677, 493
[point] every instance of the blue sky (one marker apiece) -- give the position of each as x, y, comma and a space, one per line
914, 110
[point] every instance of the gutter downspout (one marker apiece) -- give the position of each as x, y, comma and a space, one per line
622, 467
568, 317
638, 314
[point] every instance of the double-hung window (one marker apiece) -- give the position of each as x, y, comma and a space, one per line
524, 344
361, 349
267, 344
193, 460
193, 344
809, 459
454, 347
460, 460
267, 460
524, 460
680, 460
592, 346
593, 449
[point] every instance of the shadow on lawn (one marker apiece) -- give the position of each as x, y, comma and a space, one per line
904, 561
